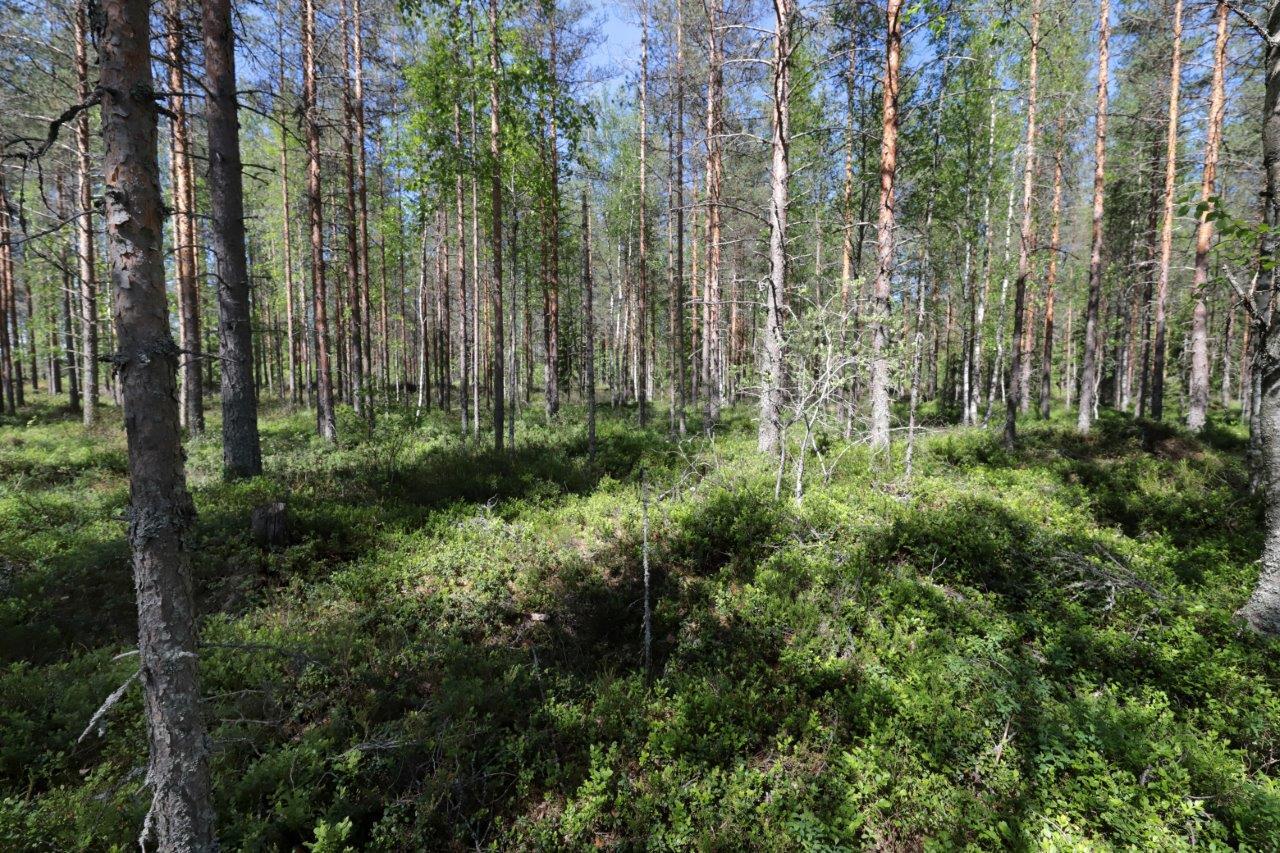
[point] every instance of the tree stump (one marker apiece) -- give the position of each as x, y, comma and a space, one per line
269, 525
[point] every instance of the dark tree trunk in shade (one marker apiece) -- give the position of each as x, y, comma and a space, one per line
241, 452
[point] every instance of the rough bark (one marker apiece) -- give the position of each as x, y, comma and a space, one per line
1166, 229
589, 329
241, 450
160, 508
1197, 411
326, 421
1089, 361
495, 189
884, 232
772, 395
1051, 280
1262, 611
1021, 356
184, 231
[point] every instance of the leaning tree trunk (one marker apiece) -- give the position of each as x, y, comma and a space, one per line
1089, 364
241, 451
160, 508
884, 234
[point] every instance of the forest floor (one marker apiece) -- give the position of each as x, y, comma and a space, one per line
1029, 650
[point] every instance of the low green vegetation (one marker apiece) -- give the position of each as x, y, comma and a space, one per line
1029, 650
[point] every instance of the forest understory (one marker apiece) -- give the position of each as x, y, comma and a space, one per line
1014, 649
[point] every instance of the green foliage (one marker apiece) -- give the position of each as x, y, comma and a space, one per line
1027, 650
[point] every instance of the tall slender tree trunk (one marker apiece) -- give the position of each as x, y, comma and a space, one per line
711, 370
1021, 355
241, 451
589, 329
495, 189
642, 260
680, 354
1199, 391
295, 395
161, 511
355, 283
772, 396
1166, 231
884, 232
1089, 363
8, 341
326, 420
84, 229
1051, 280
184, 231
362, 196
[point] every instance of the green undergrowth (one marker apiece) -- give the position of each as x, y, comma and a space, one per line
1015, 650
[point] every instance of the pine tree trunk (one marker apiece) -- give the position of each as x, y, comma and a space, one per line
1089, 363
1021, 355
495, 188
772, 396
1199, 392
1051, 280
160, 509
241, 452
884, 233
326, 419
1262, 611
184, 236
1166, 231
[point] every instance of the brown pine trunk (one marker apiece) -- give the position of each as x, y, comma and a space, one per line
879, 435
1197, 413
161, 511
184, 236
1166, 232
326, 420
1021, 354
1089, 362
